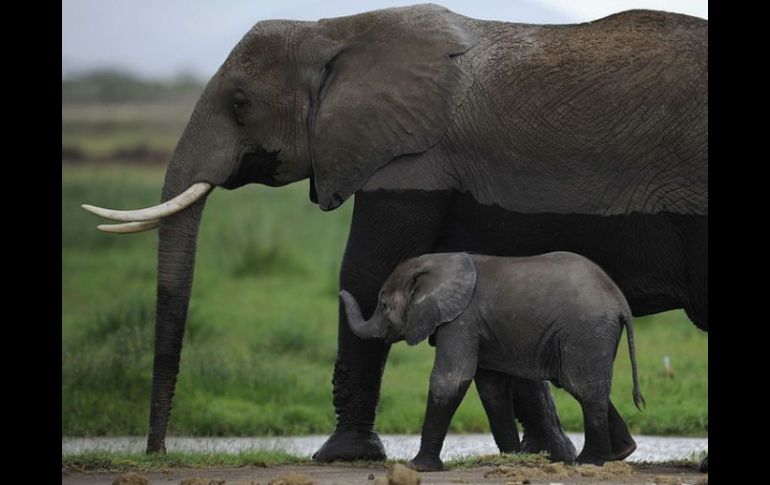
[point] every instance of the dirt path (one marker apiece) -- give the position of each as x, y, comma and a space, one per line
343, 475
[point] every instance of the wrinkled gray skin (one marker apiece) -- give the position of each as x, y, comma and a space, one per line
456, 134
555, 316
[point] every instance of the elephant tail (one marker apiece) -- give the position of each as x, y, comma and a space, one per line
627, 320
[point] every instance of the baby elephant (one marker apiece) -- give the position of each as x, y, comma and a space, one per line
556, 316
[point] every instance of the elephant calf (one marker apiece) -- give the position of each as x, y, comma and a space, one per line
556, 316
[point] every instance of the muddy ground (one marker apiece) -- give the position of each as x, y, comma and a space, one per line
342, 475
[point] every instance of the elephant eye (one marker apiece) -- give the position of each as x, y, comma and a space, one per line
239, 103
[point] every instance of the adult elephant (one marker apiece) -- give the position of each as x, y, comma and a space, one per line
455, 134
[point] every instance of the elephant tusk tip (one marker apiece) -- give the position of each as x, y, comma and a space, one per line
130, 227
94, 210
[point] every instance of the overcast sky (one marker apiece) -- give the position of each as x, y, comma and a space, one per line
161, 38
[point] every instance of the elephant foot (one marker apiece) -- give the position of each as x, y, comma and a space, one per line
351, 445
623, 452
704, 465
558, 446
426, 464
587, 457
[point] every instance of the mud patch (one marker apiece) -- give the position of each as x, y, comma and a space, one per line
292, 478
398, 474
357, 475
202, 481
548, 471
131, 478
612, 469
675, 480
529, 473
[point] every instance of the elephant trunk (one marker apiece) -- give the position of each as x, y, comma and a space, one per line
176, 262
374, 328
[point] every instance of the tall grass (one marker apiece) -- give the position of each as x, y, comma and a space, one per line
261, 339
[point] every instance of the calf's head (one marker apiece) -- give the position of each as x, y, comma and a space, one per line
421, 294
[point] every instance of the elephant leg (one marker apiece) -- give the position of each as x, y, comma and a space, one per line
597, 447
454, 366
620, 438
438, 415
387, 228
698, 314
594, 399
542, 429
696, 304
495, 393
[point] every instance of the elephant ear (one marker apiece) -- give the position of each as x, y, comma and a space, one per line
442, 291
390, 89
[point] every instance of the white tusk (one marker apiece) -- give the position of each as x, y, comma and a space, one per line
181, 201
129, 227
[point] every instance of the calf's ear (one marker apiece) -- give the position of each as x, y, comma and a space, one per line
442, 291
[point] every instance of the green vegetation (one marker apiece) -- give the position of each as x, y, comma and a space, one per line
100, 461
103, 461
109, 86
261, 339
109, 116
502, 459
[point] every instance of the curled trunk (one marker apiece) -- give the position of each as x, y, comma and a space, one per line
374, 328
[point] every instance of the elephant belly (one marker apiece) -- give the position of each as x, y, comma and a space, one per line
518, 367
650, 256
525, 350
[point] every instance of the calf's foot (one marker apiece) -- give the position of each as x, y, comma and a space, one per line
621, 442
426, 463
535, 409
588, 457
622, 451
556, 444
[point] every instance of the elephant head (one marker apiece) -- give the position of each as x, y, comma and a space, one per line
421, 294
332, 101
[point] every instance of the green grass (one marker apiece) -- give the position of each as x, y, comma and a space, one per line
116, 86
102, 131
100, 461
108, 116
261, 339
104, 461
502, 459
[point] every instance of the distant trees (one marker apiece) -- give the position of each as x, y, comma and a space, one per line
106, 85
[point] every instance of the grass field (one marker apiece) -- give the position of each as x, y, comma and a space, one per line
110, 116
261, 339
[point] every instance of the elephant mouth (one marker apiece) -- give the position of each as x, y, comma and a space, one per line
257, 165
